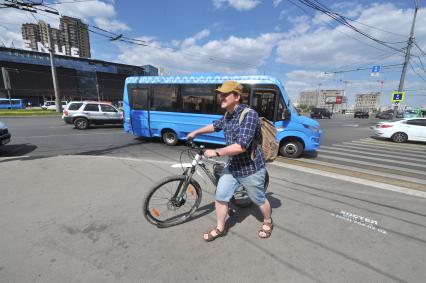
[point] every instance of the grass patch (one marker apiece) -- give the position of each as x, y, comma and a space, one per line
28, 112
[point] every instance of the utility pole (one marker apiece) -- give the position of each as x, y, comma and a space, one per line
58, 102
407, 56
97, 84
6, 82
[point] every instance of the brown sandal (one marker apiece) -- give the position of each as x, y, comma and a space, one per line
267, 232
211, 237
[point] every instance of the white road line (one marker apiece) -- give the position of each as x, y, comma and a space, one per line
366, 157
372, 164
128, 159
390, 143
336, 149
354, 180
13, 157
371, 172
376, 148
383, 146
72, 135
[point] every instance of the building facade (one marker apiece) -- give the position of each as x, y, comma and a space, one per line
326, 95
367, 101
308, 98
31, 77
72, 33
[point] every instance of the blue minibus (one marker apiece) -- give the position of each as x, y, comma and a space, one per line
170, 107
16, 103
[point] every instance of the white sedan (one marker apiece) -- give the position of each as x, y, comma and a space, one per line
411, 129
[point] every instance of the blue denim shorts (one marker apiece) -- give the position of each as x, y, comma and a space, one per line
254, 184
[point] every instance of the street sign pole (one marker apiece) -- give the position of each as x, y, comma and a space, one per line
55, 78
407, 57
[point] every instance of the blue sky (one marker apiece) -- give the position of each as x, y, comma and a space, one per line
269, 37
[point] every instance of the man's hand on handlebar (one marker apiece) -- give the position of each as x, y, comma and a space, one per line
191, 136
209, 153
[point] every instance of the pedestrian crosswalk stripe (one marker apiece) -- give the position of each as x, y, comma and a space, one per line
390, 143
368, 157
407, 170
336, 149
377, 148
378, 173
385, 145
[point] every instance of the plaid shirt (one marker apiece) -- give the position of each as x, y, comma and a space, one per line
242, 165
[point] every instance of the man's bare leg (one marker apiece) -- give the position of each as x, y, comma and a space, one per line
221, 208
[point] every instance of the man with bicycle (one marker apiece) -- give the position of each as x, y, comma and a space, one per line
246, 165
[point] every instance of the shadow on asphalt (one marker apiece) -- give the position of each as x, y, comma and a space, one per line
16, 150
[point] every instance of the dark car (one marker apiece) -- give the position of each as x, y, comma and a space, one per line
361, 114
320, 113
4, 134
388, 114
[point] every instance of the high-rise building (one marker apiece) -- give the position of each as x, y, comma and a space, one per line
73, 33
308, 98
367, 101
31, 32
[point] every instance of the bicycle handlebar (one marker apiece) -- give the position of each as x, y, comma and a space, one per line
200, 149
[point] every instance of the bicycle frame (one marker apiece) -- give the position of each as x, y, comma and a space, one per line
189, 172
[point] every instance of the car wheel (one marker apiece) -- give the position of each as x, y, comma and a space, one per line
170, 137
81, 123
291, 149
399, 137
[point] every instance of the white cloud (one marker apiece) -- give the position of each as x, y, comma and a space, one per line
232, 55
308, 75
111, 25
193, 40
239, 5
308, 44
275, 3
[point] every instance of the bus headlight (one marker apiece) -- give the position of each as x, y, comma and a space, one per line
315, 129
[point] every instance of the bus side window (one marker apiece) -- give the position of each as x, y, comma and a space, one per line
263, 101
164, 98
280, 110
139, 98
198, 98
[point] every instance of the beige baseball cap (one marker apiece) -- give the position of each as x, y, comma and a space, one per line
230, 86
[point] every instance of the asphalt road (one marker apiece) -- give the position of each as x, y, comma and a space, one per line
50, 136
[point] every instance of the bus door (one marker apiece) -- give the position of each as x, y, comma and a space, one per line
269, 104
140, 112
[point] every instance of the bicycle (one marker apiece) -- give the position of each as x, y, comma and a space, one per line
183, 191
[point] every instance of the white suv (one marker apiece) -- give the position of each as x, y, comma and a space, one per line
84, 113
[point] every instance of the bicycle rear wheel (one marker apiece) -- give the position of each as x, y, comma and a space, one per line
162, 209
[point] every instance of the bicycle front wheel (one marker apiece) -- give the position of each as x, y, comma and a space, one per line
160, 206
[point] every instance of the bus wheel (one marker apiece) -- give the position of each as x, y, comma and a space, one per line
291, 148
170, 137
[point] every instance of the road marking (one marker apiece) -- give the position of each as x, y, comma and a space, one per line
374, 149
128, 159
366, 171
48, 136
375, 154
351, 125
359, 220
367, 157
390, 143
13, 157
371, 164
361, 143
364, 182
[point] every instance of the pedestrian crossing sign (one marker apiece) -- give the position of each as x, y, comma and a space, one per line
398, 96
